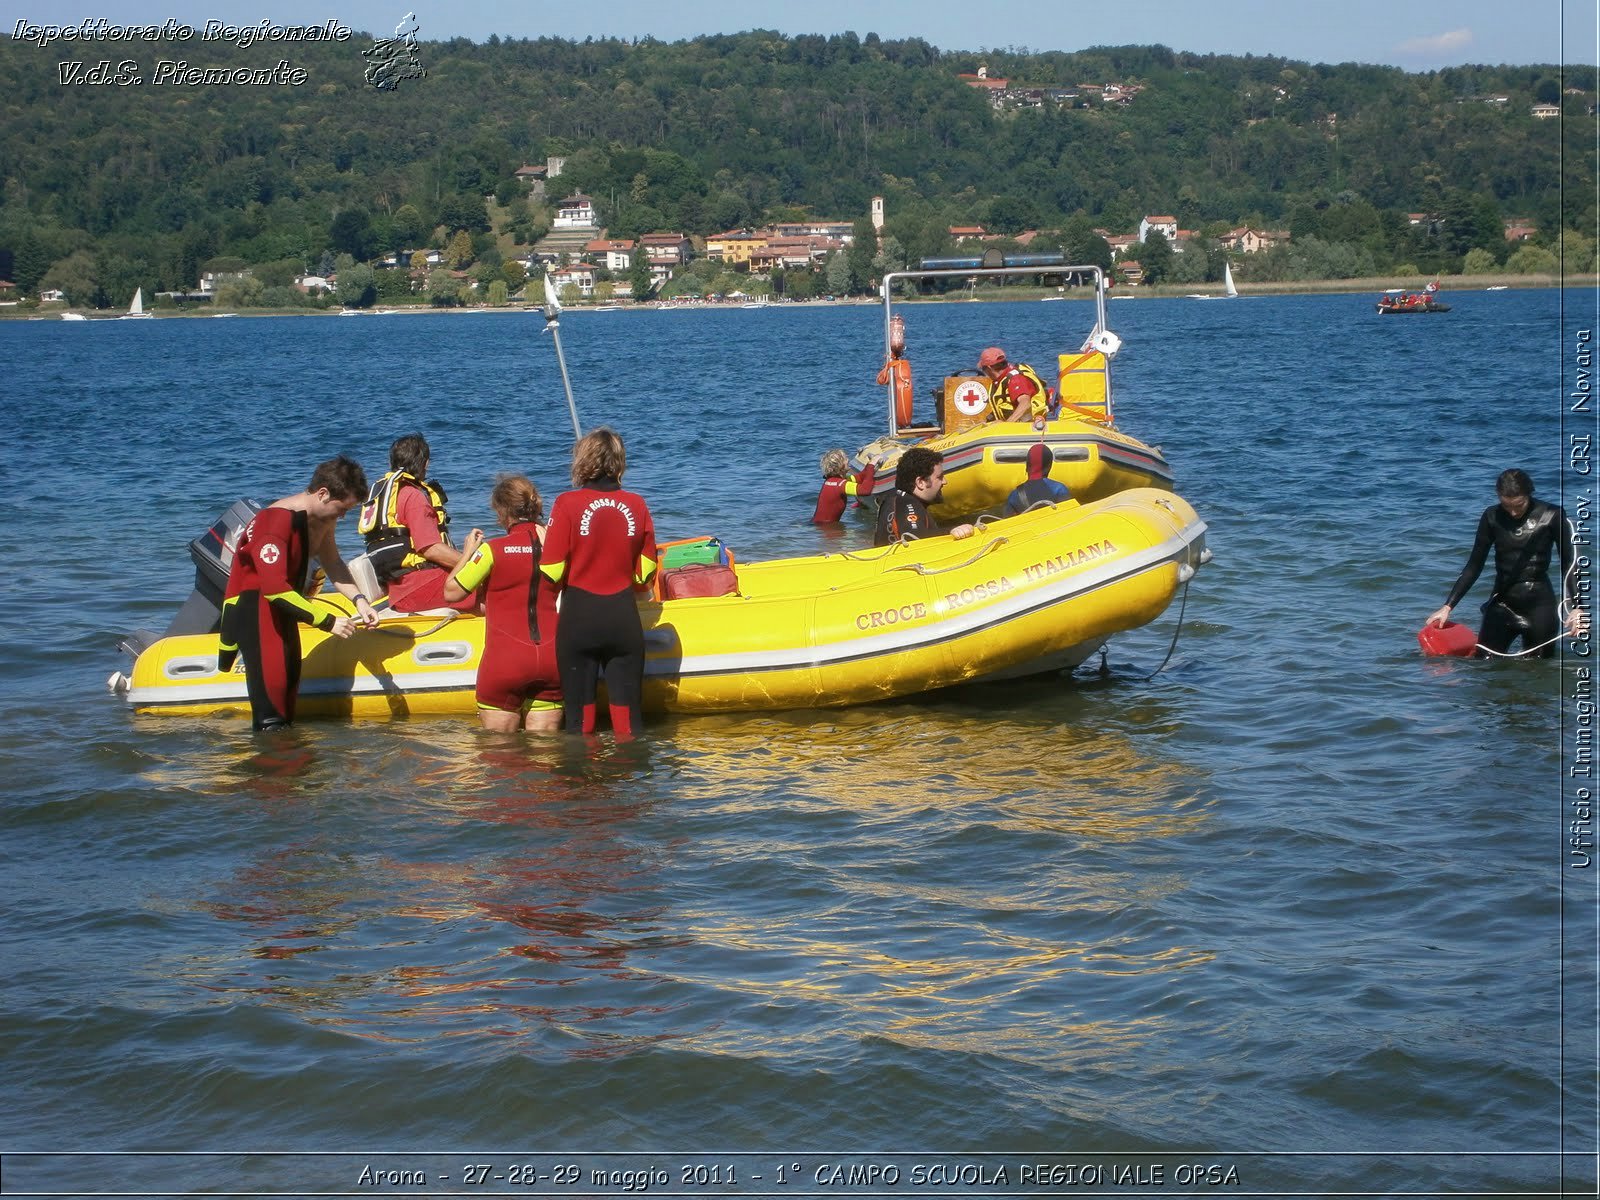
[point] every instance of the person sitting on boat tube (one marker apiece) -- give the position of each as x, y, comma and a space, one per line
408, 532
1016, 393
918, 481
1523, 532
1038, 488
838, 484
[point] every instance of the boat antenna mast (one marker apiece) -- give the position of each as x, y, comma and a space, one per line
552, 326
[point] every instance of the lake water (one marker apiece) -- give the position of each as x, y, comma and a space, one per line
1301, 907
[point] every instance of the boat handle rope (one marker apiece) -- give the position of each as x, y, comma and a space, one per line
413, 633
922, 570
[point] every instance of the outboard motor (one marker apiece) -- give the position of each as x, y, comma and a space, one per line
212, 552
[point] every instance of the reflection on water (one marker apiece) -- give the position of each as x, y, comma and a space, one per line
745, 884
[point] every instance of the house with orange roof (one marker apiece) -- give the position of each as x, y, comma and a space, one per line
1166, 226
617, 253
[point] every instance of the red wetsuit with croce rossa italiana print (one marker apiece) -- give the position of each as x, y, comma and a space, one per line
600, 544
263, 609
518, 667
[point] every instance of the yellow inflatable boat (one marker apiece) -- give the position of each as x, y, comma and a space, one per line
984, 459
1029, 594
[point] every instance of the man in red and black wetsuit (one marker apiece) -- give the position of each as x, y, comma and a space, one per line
263, 607
601, 545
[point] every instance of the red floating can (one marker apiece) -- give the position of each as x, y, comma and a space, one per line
1450, 639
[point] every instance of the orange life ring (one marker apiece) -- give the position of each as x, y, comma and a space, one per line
898, 372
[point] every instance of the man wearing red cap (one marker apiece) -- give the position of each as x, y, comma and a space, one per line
1016, 393
1039, 486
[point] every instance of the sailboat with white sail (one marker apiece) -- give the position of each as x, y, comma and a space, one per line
136, 310
1228, 290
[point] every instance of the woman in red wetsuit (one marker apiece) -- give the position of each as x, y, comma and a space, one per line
519, 683
838, 485
600, 547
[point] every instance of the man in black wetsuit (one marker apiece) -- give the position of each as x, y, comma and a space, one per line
1523, 531
918, 480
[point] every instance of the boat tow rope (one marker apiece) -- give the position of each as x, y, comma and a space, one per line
1177, 629
1563, 611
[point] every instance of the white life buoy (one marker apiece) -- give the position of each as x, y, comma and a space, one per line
970, 397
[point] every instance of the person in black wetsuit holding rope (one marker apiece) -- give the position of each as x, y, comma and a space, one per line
1523, 532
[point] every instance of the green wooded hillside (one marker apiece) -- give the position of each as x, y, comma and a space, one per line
146, 183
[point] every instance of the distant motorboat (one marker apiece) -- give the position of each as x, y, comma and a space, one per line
136, 310
1499, 287
73, 317
222, 314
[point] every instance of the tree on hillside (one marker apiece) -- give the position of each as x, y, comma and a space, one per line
1155, 256
30, 263
467, 212
77, 276
639, 276
407, 226
351, 233
358, 287
861, 252
459, 252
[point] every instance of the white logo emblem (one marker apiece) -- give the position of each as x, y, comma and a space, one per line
971, 397
269, 553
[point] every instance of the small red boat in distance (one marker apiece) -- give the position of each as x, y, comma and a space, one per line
1398, 300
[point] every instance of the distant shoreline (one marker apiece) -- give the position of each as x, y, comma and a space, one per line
1167, 291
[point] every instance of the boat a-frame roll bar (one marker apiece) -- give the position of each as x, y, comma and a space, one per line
992, 265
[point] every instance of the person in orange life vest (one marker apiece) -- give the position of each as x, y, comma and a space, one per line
1039, 487
419, 510
519, 683
600, 547
263, 606
1016, 393
838, 485
918, 481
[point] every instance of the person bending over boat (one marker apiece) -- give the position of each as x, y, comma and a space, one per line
1523, 531
519, 683
601, 545
918, 481
838, 485
1039, 488
408, 531
1016, 393
263, 607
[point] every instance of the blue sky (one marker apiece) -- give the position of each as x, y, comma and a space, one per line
1417, 37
